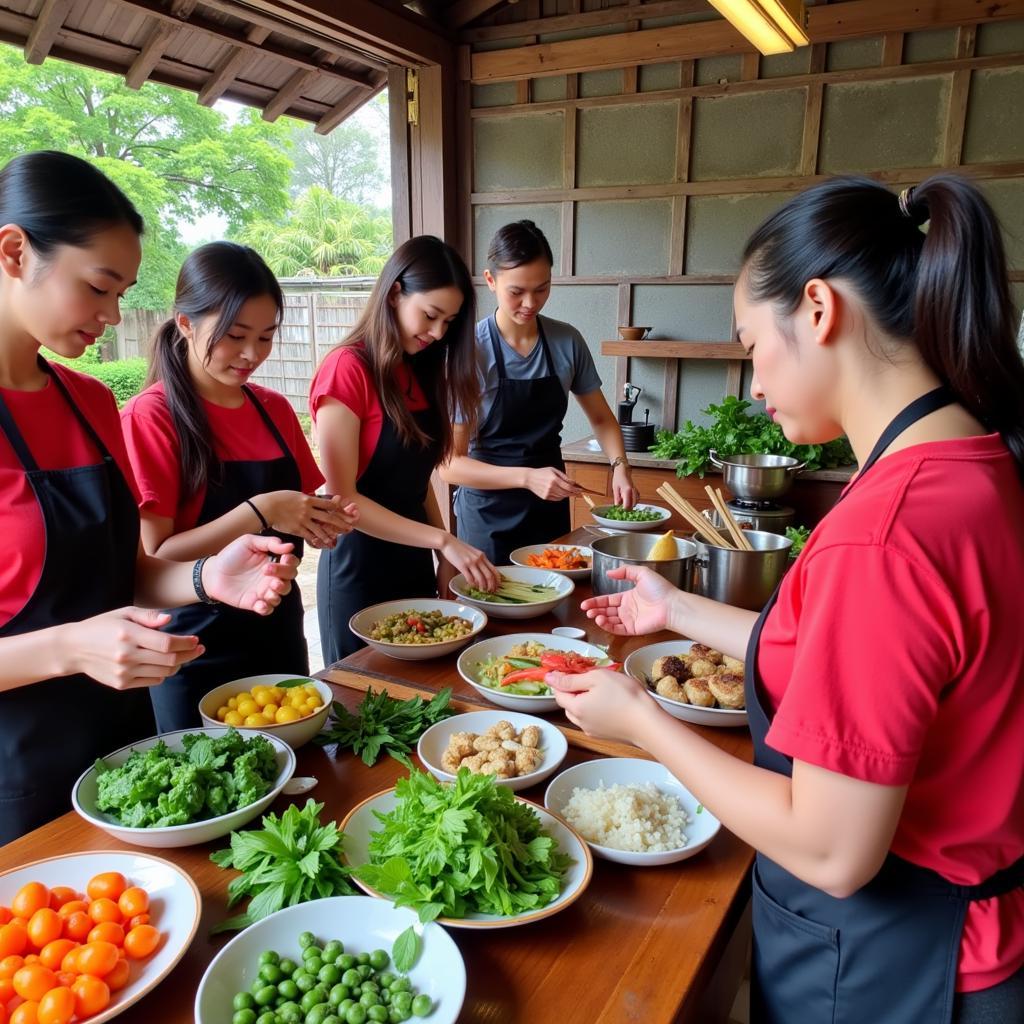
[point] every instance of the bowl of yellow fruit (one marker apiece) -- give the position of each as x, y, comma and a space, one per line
292, 708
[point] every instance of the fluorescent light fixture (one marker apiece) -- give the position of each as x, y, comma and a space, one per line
773, 26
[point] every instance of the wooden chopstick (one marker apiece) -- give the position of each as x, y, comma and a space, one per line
589, 500
692, 516
731, 525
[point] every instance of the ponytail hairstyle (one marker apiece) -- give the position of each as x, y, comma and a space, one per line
446, 370
944, 290
217, 278
516, 244
59, 199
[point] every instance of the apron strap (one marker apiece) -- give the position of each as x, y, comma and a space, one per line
1004, 881
928, 403
14, 436
86, 425
271, 426
548, 361
499, 358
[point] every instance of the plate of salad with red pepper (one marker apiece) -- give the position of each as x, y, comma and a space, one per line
510, 670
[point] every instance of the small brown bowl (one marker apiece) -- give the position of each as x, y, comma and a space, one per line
633, 333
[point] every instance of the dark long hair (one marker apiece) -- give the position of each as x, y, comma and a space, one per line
219, 278
944, 290
445, 370
60, 199
516, 244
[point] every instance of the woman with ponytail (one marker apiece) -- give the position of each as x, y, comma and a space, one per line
885, 678
76, 654
216, 457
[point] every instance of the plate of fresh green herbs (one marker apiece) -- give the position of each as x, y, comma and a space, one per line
468, 854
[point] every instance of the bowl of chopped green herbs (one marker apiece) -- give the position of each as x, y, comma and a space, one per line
639, 517
183, 788
522, 594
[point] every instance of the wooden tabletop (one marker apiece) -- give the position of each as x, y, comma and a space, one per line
639, 945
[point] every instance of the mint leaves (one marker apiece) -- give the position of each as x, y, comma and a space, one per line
406, 950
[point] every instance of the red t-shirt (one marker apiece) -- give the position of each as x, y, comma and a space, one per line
57, 441
895, 655
238, 435
345, 377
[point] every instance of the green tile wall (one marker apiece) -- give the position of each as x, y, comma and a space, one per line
487, 220
494, 94
711, 70
628, 237
602, 158
854, 53
1007, 199
717, 228
780, 65
653, 77
1000, 37
601, 83
520, 151
552, 88
995, 116
933, 44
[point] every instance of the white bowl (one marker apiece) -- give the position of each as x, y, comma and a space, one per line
434, 742
361, 822
362, 622
625, 524
639, 665
545, 577
625, 771
83, 797
173, 897
499, 646
362, 924
520, 556
295, 734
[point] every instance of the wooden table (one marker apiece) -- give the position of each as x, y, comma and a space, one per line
654, 945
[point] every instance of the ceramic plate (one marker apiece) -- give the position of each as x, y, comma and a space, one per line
521, 555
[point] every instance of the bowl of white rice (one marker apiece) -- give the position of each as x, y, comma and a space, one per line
631, 811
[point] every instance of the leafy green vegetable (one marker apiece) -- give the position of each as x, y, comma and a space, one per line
513, 592
384, 723
469, 846
291, 860
734, 431
799, 535
406, 950
159, 787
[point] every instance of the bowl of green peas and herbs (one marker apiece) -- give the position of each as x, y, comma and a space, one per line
334, 961
639, 517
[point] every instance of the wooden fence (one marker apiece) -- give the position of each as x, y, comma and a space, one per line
317, 314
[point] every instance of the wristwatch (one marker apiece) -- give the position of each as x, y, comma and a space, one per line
619, 460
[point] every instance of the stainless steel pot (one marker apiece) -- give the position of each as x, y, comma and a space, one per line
745, 579
758, 477
632, 549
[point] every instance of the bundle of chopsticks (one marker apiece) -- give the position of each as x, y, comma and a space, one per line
704, 526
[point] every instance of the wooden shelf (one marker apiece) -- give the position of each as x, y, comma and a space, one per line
671, 349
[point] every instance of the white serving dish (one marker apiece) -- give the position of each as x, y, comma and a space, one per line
434, 742
295, 734
175, 906
629, 526
362, 622
361, 821
499, 646
362, 924
83, 798
639, 665
520, 555
545, 577
626, 771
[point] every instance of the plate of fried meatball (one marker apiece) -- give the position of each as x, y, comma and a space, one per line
691, 681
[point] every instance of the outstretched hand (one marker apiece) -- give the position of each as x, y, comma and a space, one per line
635, 612
245, 574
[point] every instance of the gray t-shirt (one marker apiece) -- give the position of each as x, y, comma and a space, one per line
573, 363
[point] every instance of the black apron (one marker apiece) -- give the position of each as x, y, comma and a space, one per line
238, 643
363, 570
885, 955
523, 428
51, 731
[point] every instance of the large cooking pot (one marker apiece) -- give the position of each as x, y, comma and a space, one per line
757, 477
744, 579
632, 549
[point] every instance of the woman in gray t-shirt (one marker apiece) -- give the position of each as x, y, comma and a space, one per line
513, 489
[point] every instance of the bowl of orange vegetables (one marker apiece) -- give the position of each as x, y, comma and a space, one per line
567, 559
85, 935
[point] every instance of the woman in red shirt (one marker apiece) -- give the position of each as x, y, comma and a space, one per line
76, 656
384, 403
885, 679
215, 458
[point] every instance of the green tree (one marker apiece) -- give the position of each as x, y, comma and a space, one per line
175, 159
323, 237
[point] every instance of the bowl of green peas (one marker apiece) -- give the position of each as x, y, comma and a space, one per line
639, 517
335, 961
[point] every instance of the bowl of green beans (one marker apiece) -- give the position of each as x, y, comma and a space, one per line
639, 517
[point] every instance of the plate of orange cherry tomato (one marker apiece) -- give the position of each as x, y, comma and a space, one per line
85, 935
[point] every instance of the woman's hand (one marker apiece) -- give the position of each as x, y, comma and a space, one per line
315, 518
644, 609
550, 484
470, 562
243, 574
124, 649
623, 490
604, 703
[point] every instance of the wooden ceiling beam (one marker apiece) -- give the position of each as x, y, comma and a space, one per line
462, 12
44, 32
154, 47
288, 93
229, 67
825, 23
340, 111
